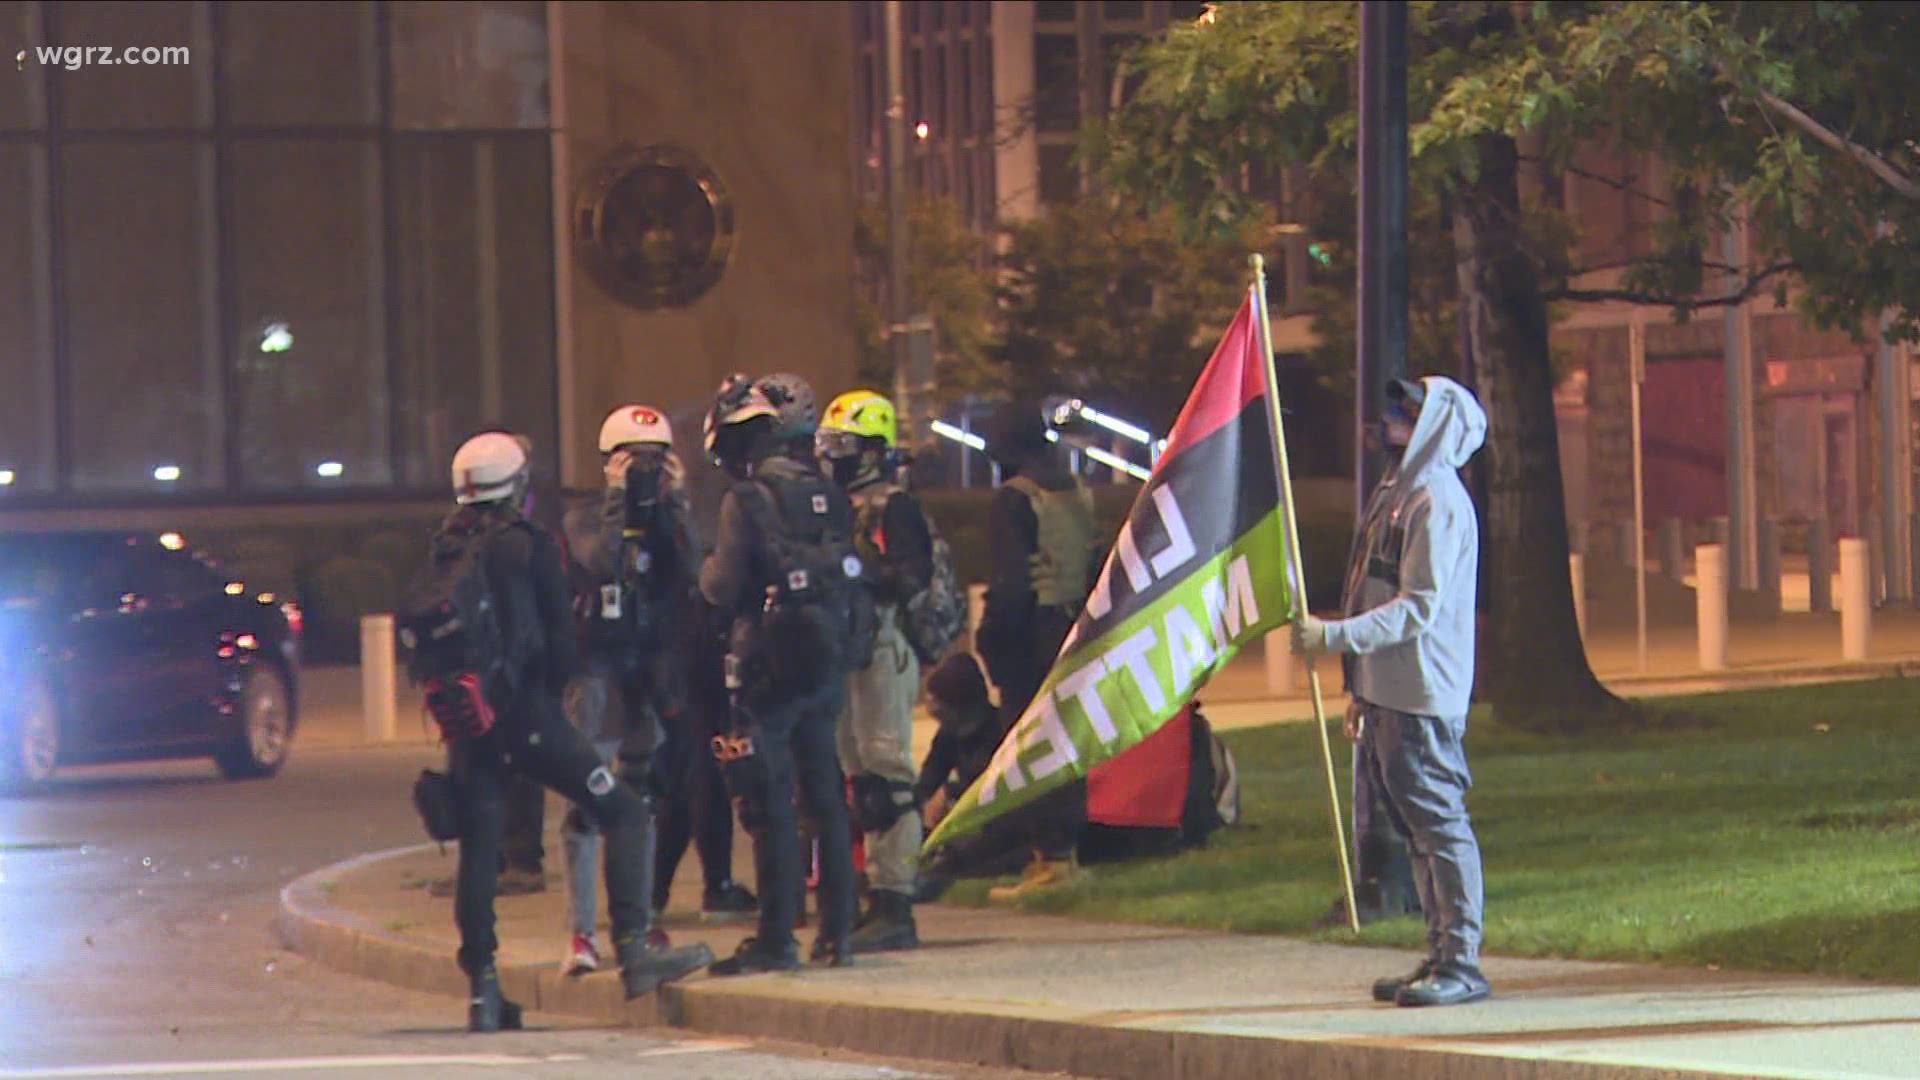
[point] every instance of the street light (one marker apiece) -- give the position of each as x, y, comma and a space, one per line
964, 438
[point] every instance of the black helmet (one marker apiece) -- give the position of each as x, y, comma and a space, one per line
1017, 432
797, 413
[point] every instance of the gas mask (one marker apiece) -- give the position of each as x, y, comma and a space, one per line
643, 476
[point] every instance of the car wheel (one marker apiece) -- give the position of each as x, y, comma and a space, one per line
265, 714
30, 743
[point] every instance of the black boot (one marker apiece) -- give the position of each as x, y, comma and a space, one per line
827, 952
1449, 982
487, 1009
1387, 989
752, 958
889, 926
644, 968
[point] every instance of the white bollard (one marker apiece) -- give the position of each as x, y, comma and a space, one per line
1856, 599
1279, 649
1710, 604
1578, 572
377, 678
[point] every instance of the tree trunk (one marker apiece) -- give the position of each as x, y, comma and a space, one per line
1534, 669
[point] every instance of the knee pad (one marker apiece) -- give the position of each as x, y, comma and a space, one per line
879, 802
611, 799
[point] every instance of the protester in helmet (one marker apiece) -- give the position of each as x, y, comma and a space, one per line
633, 564
523, 850
1046, 552
784, 565
857, 442
524, 572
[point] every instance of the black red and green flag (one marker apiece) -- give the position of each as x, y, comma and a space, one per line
1200, 569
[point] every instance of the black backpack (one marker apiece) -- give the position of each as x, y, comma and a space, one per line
818, 619
450, 624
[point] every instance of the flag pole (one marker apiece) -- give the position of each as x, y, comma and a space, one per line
1295, 571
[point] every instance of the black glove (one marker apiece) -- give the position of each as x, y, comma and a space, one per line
439, 811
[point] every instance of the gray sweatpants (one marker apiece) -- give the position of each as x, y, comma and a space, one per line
1420, 763
876, 736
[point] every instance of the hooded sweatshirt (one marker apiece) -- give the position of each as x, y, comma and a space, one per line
1409, 600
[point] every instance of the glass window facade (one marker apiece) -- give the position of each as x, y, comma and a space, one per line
306, 263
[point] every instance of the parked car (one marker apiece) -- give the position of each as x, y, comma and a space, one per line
126, 646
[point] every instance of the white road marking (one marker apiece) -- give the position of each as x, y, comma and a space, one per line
691, 1046
308, 1064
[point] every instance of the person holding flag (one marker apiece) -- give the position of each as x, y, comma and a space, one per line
1408, 644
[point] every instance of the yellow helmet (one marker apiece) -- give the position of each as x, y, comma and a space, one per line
865, 414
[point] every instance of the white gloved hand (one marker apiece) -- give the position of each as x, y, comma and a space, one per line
1309, 637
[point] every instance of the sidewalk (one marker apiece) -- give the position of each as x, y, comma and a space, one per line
1052, 995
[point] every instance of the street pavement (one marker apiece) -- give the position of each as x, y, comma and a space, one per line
138, 910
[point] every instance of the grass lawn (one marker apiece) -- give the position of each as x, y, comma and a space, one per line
1783, 836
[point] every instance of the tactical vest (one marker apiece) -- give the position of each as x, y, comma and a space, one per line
1062, 568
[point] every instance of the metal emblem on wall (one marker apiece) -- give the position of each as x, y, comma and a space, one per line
654, 226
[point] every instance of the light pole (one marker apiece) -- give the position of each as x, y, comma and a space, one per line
898, 308
1382, 346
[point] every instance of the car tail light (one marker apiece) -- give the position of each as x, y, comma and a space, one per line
296, 621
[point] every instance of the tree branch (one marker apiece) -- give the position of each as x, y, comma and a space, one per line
1628, 264
1833, 140
1654, 299
1624, 184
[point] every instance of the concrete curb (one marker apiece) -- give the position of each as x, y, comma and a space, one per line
313, 926
811, 1009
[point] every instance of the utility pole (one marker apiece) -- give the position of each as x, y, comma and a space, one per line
898, 307
1382, 351
1743, 543
1892, 381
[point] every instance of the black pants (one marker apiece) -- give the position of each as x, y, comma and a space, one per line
1024, 665
796, 741
534, 740
526, 822
695, 811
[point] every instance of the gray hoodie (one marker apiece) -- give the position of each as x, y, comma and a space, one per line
1410, 588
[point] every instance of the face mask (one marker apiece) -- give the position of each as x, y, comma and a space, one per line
845, 470
1396, 429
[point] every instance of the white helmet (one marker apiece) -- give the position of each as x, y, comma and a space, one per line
630, 424
488, 468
